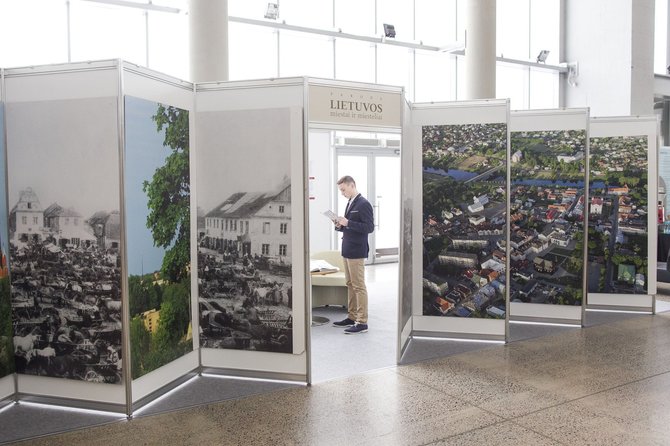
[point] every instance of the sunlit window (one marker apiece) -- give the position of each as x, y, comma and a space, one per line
251, 9
305, 55
354, 60
168, 43
100, 31
661, 37
523, 29
435, 77
394, 66
399, 14
512, 30
159, 39
436, 22
543, 92
23, 32
545, 29
460, 78
512, 83
355, 17
311, 13
252, 52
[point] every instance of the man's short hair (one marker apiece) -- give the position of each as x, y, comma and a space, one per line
347, 180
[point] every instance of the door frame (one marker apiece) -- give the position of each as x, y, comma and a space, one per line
370, 152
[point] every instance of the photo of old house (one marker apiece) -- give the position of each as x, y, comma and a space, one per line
244, 233
64, 238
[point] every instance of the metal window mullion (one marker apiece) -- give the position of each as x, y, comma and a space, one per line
146, 36
69, 32
278, 55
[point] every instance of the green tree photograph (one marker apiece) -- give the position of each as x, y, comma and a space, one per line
158, 215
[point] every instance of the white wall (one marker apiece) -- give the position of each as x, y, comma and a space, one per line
598, 37
642, 91
612, 41
321, 186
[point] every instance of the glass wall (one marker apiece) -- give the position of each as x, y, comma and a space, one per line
528, 87
661, 37
154, 33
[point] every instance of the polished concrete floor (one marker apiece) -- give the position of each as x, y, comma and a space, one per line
607, 384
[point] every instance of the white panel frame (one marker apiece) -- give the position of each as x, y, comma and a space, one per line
634, 126
452, 113
107, 395
7, 387
254, 95
539, 120
544, 313
165, 375
74, 81
395, 124
407, 174
7, 383
147, 84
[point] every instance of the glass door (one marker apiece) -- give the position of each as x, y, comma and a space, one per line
387, 208
377, 175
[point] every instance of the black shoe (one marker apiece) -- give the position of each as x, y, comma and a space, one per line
358, 328
344, 323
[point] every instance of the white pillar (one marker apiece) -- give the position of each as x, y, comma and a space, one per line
480, 49
642, 58
208, 23
667, 40
613, 43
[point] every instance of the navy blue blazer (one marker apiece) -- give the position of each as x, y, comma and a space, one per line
355, 234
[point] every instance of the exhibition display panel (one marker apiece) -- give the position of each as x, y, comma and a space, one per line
155, 228
7, 386
406, 267
157, 207
251, 240
548, 211
65, 239
461, 190
101, 296
623, 185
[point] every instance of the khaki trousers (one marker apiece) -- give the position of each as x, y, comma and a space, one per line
354, 272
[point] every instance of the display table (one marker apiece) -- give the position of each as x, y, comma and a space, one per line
329, 288
319, 320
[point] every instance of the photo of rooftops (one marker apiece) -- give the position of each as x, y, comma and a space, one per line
464, 220
618, 217
547, 216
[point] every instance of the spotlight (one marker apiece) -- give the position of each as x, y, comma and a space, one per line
389, 30
272, 12
542, 57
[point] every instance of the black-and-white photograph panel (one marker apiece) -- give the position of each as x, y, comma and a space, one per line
64, 238
244, 230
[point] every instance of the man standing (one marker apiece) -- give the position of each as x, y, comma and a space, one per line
355, 226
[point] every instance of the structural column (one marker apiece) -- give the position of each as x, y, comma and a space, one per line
480, 49
208, 22
642, 57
